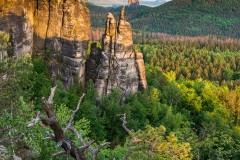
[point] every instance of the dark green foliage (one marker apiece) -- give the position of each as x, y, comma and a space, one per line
91, 112
42, 83
136, 112
109, 109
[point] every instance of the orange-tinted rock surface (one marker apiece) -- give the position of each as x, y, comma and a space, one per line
57, 29
133, 3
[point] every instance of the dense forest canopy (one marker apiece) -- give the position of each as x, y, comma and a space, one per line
191, 105
190, 110
180, 17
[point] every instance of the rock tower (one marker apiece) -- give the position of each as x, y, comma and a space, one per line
120, 66
133, 3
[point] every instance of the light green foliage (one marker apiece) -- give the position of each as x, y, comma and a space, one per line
83, 127
99, 46
16, 80
210, 99
63, 113
171, 76
153, 142
190, 99
4, 37
16, 134
108, 154
151, 101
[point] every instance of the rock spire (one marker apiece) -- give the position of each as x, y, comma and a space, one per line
133, 3
119, 66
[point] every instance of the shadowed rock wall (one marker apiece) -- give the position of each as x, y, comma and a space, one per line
57, 29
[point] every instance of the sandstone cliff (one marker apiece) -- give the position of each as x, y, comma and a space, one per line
133, 3
57, 29
119, 66
84, 1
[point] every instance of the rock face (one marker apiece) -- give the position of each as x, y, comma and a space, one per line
16, 19
57, 29
120, 66
84, 1
133, 3
3, 45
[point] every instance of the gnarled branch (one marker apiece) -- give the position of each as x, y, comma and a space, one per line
59, 136
134, 140
73, 114
95, 153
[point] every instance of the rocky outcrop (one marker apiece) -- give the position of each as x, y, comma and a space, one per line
133, 3
16, 18
57, 29
64, 37
120, 66
84, 1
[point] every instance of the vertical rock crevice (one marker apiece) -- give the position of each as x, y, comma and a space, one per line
48, 23
120, 65
57, 29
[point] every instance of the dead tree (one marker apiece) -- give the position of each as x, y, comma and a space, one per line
59, 136
132, 135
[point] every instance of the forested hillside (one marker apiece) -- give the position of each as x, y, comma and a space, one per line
190, 109
181, 17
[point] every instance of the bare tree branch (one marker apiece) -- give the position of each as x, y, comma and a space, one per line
80, 139
35, 121
128, 154
50, 98
86, 145
123, 118
134, 140
52, 121
51, 136
59, 153
101, 146
95, 153
73, 114
59, 136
